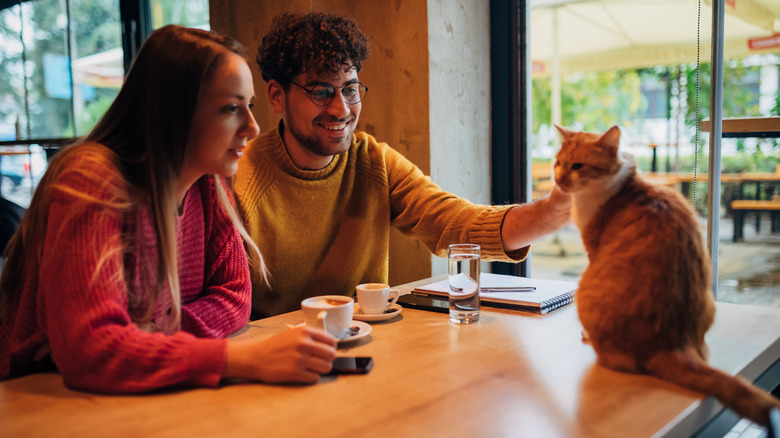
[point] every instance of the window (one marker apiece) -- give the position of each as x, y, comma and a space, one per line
190, 13
62, 63
48, 95
648, 88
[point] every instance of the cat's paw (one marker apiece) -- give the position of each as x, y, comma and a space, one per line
585, 337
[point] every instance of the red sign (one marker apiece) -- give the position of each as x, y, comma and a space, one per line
763, 43
538, 67
732, 3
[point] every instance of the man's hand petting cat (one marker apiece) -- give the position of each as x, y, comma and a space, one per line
525, 223
559, 207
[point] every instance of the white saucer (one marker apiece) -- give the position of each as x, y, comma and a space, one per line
365, 329
394, 310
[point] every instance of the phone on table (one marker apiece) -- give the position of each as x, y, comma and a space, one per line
351, 365
425, 303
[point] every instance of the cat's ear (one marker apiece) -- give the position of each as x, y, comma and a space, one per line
565, 133
611, 140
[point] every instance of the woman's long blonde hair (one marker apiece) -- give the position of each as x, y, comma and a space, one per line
145, 133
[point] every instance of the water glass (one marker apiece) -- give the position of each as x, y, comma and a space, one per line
464, 267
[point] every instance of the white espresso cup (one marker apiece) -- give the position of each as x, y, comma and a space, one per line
373, 298
332, 313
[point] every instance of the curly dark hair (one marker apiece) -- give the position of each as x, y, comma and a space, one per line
299, 42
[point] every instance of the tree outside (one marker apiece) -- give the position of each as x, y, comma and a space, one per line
51, 88
60, 70
595, 101
41, 95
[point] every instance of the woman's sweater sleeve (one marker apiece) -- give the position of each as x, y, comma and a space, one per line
421, 209
225, 303
84, 302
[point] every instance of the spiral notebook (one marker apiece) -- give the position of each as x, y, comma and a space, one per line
511, 292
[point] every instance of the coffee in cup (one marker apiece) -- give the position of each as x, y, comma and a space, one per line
373, 298
332, 313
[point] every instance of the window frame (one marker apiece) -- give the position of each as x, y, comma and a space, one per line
516, 136
510, 60
136, 25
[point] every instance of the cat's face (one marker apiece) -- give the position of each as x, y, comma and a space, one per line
586, 157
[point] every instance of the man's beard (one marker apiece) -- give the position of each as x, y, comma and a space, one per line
316, 146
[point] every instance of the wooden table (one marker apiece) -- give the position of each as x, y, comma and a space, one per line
512, 374
736, 127
686, 179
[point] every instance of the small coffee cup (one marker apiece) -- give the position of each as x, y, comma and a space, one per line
332, 313
373, 298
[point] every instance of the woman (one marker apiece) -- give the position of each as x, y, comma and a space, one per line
129, 268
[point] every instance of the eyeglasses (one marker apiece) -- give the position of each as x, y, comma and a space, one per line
323, 94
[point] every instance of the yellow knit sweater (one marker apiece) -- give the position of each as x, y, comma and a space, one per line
326, 231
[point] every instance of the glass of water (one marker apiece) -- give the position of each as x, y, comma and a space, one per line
464, 270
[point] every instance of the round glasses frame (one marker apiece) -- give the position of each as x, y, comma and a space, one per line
323, 94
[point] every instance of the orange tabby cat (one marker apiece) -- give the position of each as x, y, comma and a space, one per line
644, 300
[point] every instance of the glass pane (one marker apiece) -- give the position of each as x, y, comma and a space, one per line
12, 102
750, 172
594, 80
21, 167
47, 69
98, 68
190, 13
53, 83
34, 91
648, 88
41, 94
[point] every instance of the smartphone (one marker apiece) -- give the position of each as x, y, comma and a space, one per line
351, 365
425, 303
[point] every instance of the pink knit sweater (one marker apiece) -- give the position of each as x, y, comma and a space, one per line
77, 308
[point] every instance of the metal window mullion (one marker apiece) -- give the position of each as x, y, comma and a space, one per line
136, 19
69, 45
716, 128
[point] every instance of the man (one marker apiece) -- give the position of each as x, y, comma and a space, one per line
319, 198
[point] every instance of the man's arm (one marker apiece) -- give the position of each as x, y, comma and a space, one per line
527, 222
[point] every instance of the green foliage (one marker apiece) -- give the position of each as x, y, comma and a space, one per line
541, 107
193, 13
618, 100
95, 28
595, 101
93, 112
738, 163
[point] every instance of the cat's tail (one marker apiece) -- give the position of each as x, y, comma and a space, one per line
688, 370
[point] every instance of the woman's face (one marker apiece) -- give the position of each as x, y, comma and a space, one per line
222, 122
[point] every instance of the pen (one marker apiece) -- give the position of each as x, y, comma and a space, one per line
508, 289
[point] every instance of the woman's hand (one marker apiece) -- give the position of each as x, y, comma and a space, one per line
300, 354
